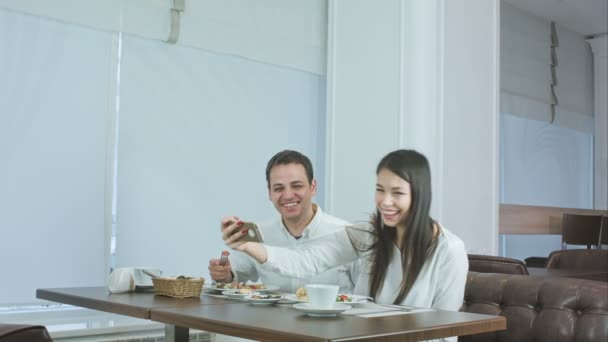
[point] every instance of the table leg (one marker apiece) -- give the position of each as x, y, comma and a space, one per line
176, 334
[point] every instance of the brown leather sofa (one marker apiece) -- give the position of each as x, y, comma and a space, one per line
539, 308
23, 333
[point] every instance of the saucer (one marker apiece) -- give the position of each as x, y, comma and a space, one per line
350, 299
235, 294
321, 312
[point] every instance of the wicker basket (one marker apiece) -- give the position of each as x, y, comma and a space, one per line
181, 287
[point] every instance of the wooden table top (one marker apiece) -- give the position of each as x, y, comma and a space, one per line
271, 322
283, 323
134, 304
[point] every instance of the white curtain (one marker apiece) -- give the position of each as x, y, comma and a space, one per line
544, 164
525, 62
54, 80
195, 132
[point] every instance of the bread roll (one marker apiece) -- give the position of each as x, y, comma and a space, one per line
301, 294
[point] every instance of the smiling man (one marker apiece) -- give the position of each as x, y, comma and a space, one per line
291, 187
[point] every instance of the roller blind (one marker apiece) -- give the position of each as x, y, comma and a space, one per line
196, 129
54, 81
525, 59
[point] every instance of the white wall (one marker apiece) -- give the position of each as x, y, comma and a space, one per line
362, 102
599, 46
470, 144
372, 70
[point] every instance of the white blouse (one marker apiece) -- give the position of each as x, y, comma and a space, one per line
440, 283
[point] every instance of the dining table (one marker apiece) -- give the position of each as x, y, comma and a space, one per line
215, 313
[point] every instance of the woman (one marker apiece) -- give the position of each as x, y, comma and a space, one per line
407, 257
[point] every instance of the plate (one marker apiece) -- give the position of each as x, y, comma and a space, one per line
266, 299
235, 294
213, 287
318, 312
355, 299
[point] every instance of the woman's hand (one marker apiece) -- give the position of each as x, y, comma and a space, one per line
232, 238
231, 233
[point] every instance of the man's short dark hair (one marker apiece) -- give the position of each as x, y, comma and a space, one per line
289, 157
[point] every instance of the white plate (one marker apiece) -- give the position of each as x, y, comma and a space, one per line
318, 312
266, 288
355, 299
252, 300
235, 294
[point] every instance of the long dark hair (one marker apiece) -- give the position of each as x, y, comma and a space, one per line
418, 242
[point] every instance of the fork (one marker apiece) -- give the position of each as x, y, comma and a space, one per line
224, 258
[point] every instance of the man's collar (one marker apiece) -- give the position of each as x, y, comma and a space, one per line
312, 225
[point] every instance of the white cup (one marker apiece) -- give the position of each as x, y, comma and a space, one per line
322, 296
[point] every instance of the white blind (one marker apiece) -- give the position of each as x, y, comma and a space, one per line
543, 164
195, 132
54, 81
525, 62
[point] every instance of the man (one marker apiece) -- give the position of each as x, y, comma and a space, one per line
291, 186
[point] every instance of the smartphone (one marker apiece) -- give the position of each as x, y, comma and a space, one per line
252, 232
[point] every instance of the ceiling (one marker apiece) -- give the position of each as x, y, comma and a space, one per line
587, 17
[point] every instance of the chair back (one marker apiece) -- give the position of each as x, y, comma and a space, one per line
604, 232
581, 230
496, 264
23, 332
580, 259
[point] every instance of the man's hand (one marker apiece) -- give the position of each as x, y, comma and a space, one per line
218, 272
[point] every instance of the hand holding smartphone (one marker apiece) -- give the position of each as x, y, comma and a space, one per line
249, 231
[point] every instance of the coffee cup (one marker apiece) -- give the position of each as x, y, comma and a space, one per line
322, 296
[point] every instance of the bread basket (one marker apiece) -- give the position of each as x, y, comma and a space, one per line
179, 287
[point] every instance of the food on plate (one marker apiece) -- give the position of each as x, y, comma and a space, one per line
240, 286
343, 298
245, 291
260, 296
301, 294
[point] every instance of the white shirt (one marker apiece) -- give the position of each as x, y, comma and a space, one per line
440, 283
275, 234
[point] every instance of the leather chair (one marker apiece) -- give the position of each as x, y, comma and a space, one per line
604, 232
496, 264
581, 259
581, 230
23, 332
539, 308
